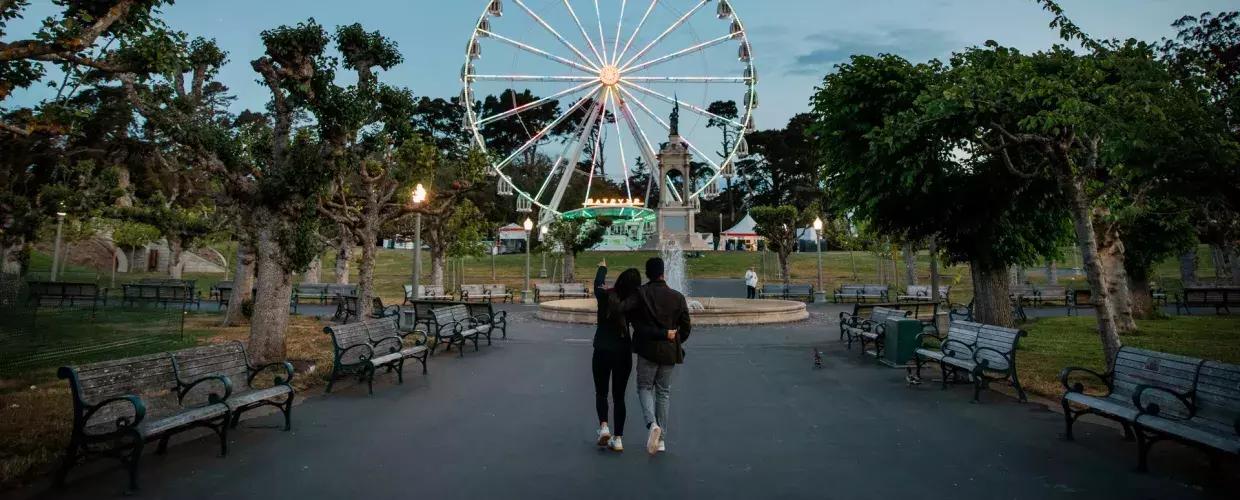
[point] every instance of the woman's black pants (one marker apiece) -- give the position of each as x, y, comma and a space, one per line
611, 368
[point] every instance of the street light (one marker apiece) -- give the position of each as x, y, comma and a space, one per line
60, 222
528, 296
419, 197
821, 296
542, 236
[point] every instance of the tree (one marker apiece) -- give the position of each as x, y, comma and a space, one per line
574, 236
781, 169
727, 143
451, 181
895, 166
779, 226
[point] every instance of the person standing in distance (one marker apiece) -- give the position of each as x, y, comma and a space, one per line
660, 319
751, 284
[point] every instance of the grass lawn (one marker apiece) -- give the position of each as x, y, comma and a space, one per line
1055, 343
36, 408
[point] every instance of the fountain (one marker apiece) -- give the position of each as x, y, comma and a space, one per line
703, 311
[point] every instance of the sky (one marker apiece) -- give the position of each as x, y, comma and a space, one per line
795, 42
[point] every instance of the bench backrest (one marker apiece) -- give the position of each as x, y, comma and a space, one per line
378, 329
1218, 394
924, 290
311, 289
62, 289
225, 360
800, 289
863, 289
1053, 291
880, 315
347, 336
1134, 367
432, 291
223, 285
346, 290
551, 288
450, 314
151, 378
999, 343
479, 308
574, 288
962, 332
473, 290
1212, 295
497, 289
768, 289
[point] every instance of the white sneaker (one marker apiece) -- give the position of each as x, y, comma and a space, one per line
652, 441
616, 444
604, 435
662, 445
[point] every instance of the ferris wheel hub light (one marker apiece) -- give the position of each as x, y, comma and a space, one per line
609, 75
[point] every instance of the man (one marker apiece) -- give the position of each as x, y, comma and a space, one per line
751, 283
660, 319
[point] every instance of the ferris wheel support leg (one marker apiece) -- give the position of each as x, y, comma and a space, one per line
569, 168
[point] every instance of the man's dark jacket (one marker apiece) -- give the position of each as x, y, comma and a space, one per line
655, 309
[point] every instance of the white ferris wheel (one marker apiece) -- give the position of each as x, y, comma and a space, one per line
591, 85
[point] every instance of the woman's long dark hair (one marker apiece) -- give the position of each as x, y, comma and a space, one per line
628, 283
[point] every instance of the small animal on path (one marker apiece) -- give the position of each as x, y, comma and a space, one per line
817, 358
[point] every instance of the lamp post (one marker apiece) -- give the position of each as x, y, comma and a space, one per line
527, 295
419, 197
60, 222
820, 295
542, 236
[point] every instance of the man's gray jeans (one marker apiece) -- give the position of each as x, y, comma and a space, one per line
654, 390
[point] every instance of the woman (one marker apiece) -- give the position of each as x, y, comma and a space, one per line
613, 352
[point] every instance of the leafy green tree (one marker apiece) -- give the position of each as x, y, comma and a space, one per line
576, 236
779, 226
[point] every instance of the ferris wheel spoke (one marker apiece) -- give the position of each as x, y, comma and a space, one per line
541, 134
541, 102
642, 140
680, 53
679, 22
624, 163
579, 134
615, 50
535, 50
695, 109
594, 157
571, 167
602, 38
593, 48
556, 34
533, 78
688, 79
665, 125
633, 37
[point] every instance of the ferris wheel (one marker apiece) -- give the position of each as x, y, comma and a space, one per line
594, 89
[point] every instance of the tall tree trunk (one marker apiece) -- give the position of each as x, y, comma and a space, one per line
570, 267
991, 304
1142, 301
366, 275
1188, 267
123, 184
314, 273
438, 260
910, 264
935, 279
1052, 272
243, 285
1111, 251
176, 258
271, 305
1087, 243
1216, 256
344, 252
783, 266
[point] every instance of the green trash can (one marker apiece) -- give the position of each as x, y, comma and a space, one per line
900, 339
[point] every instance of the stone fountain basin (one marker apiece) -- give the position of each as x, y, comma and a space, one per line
716, 312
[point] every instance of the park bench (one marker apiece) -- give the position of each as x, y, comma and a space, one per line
1052, 295
455, 325
379, 311
547, 291
860, 293
343, 289
355, 351
768, 291
432, 292
574, 291
1134, 368
965, 312
856, 327
1080, 299
41, 292
1158, 295
165, 294
473, 293
922, 293
381, 330
485, 293
419, 316
220, 291
230, 361
498, 291
986, 352
310, 292
119, 406
346, 309
1208, 417
1220, 298
488, 317
804, 292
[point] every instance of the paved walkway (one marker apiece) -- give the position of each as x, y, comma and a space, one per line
750, 418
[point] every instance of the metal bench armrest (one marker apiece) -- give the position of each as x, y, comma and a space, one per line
1155, 410
122, 423
1066, 373
985, 364
415, 331
920, 339
382, 342
849, 318
481, 318
285, 380
370, 353
184, 389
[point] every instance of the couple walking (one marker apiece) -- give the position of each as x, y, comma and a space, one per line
651, 320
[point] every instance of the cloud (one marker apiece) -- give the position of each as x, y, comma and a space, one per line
828, 49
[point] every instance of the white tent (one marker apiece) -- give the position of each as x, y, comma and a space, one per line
742, 234
512, 232
807, 234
